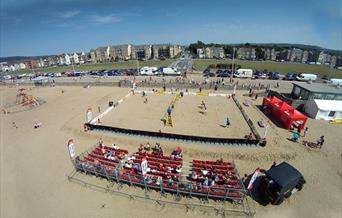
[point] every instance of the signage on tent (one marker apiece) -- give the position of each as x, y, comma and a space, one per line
144, 167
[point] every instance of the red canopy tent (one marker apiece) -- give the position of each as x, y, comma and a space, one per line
268, 101
284, 112
290, 117
279, 108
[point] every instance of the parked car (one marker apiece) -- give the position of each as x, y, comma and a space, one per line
275, 76
280, 182
290, 76
210, 74
260, 75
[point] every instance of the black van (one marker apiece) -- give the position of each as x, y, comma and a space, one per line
280, 182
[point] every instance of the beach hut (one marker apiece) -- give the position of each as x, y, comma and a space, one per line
324, 109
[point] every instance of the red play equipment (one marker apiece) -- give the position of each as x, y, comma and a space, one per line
284, 113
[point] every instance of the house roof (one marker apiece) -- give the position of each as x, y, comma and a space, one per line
319, 87
328, 105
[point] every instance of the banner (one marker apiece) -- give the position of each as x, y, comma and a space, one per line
71, 148
255, 175
144, 167
89, 115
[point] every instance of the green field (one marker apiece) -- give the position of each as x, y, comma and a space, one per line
274, 66
114, 65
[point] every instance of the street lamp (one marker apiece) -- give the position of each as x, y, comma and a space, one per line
231, 75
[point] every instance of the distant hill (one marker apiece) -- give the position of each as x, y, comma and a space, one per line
289, 45
21, 58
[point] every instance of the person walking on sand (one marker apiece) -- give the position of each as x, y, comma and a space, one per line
305, 130
320, 142
227, 122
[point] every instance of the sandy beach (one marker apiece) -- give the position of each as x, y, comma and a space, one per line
34, 163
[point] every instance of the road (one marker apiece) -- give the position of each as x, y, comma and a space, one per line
183, 64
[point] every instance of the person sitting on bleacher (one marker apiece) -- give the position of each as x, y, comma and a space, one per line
141, 148
148, 179
109, 155
178, 169
156, 149
161, 152
205, 182
169, 179
220, 161
115, 147
212, 183
103, 150
194, 175
136, 167
159, 180
128, 164
204, 172
97, 165
147, 147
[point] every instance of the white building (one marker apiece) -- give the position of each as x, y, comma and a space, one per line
324, 109
75, 58
67, 60
200, 53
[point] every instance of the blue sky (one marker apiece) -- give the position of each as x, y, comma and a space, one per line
42, 27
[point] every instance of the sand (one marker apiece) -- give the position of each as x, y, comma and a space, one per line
135, 114
34, 162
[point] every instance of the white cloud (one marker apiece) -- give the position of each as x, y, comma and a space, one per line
111, 18
68, 14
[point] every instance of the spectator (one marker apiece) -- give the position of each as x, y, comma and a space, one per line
194, 176
295, 137
147, 147
159, 180
206, 181
227, 122
320, 142
305, 130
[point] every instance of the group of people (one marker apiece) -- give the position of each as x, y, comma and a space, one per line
208, 177
156, 150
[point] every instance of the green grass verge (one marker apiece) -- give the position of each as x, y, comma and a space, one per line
114, 65
274, 66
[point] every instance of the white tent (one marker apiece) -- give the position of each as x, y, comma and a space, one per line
324, 109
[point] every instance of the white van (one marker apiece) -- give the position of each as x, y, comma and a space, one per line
150, 71
306, 77
170, 71
244, 73
336, 82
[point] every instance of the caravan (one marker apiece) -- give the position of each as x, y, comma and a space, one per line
150, 71
243, 73
168, 71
